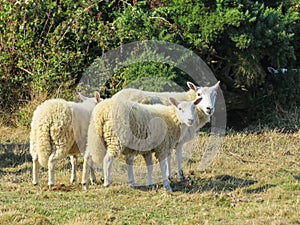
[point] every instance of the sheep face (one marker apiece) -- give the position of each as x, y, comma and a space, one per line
208, 95
185, 110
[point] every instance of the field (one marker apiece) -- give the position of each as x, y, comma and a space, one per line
255, 179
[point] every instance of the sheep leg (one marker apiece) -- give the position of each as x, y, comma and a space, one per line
73, 159
129, 162
149, 163
85, 170
93, 175
169, 166
179, 162
35, 170
107, 165
51, 169
163, 165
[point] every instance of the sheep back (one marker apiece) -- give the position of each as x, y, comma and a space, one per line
148, 97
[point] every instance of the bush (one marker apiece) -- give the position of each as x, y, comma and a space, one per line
47, 45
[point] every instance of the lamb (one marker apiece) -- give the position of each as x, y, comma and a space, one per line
59, 129
204, 111
125, 127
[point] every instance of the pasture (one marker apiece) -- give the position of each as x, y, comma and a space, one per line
255, 179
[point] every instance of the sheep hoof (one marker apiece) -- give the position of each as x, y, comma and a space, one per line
180, 175
106, 184
171, 179
72, 181
85, 187
35, 183
132, 184
94, 182
151, 186
167, 185
169, 189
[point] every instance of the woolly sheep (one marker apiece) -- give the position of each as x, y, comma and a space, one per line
204, 111
125, 127
59, 129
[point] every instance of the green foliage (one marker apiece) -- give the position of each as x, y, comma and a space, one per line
279, 98
238, 37
46, 46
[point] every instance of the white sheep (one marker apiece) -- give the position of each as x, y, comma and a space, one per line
129, 128
204, 111
59, 129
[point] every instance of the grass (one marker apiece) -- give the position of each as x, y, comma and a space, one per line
255, 179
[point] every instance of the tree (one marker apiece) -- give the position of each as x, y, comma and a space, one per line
46, 45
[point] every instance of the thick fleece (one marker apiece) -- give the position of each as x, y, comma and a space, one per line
59, 129
127, 127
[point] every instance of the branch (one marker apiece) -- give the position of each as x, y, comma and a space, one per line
27, 71
159, 17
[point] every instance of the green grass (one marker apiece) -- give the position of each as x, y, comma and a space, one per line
255, 179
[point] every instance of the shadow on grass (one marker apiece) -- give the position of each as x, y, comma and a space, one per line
12, 155
297, 177
195, 185
259, 189
216, 184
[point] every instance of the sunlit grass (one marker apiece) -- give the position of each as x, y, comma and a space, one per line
255, 179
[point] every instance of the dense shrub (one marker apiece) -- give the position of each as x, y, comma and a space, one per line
45, 45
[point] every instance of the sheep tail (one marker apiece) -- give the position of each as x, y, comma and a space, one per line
44, 147
95, 144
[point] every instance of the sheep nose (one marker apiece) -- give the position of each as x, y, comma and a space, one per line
190, 121
208, 110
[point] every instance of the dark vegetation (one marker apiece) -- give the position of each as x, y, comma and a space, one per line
45, 47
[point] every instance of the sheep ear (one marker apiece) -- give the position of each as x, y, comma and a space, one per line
83, 98
97, 96
198, 100
173, 101
191, 86
217, 85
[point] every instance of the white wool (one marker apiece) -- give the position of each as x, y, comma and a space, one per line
127, 127
59, 129
201, 117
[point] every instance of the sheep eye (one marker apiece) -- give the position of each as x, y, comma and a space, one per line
199, 94
180, 108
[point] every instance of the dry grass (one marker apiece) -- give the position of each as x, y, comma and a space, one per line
255, 179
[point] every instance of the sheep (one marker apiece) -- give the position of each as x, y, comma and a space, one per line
204, 109
59, 129
155, 128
